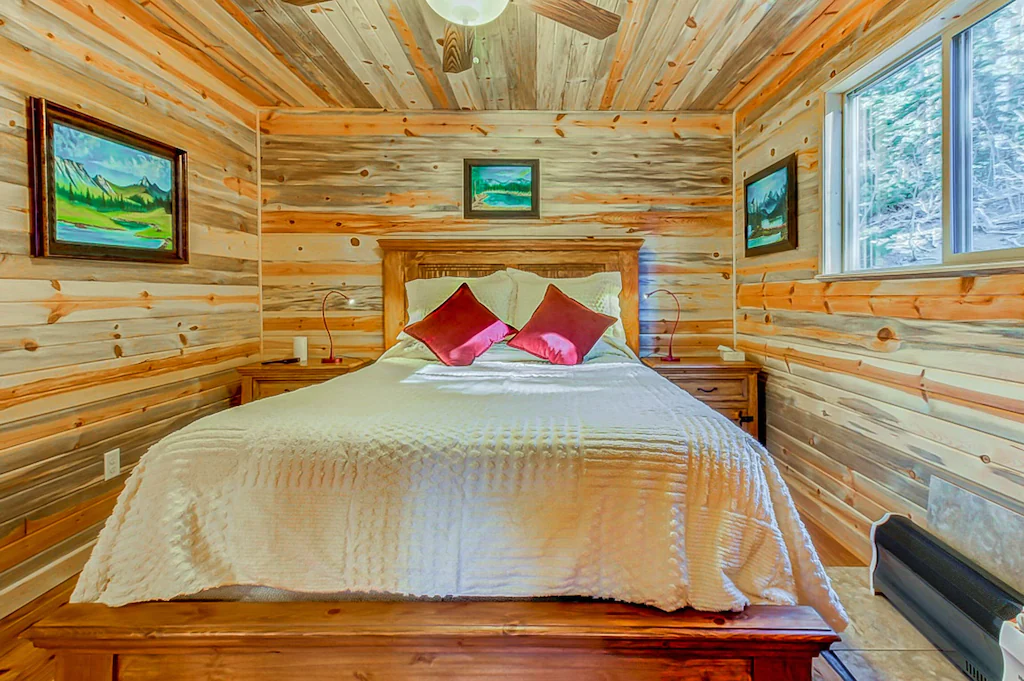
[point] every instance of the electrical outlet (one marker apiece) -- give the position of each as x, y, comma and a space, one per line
112, 464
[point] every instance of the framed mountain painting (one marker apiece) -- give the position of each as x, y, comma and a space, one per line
103, 192
771, 209
501, 189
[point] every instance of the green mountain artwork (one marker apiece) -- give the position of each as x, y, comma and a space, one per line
502, 187
767, 204
110, 194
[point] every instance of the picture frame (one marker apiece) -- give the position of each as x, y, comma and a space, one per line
495, 189
92, 195
770, 213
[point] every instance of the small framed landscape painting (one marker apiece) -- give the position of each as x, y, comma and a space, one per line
771, 209
102, 192
501, 189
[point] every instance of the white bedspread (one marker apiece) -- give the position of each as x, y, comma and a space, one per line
496, 480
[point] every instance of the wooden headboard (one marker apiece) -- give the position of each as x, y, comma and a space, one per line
409, 259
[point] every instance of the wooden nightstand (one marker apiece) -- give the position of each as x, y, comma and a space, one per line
727, 387
267, 380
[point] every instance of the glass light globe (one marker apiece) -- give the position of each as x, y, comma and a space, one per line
469, 12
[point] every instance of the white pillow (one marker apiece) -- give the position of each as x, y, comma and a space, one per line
607, 349
611, 348
495, 292
408, 347
604, 348
599, 292
501, 352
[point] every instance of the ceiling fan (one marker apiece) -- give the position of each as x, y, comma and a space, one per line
463, 16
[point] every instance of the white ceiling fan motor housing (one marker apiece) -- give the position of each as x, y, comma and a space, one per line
469, 12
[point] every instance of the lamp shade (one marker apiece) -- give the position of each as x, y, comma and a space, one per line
469, 12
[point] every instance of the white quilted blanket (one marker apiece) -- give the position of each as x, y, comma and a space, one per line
499, 479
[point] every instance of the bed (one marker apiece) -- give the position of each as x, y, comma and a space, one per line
414, 485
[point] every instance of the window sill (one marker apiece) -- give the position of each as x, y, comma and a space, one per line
930, 272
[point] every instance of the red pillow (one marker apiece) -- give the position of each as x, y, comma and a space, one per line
460, 329
561, 330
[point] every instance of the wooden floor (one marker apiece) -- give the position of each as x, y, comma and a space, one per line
833, 554
21, 661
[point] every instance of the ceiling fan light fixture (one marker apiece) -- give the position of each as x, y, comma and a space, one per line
469, 12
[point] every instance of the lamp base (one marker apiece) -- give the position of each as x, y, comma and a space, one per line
332, 360
669, 359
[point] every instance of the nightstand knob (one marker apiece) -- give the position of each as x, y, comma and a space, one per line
707, 390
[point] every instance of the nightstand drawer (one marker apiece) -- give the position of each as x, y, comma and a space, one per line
738, 415
730, 388
265, 389
715, 389
260, 381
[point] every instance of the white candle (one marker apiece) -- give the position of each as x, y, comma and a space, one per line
300, 348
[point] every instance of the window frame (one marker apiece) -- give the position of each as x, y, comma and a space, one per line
837, 254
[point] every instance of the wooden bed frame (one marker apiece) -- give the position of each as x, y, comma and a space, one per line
424, 641
453, 641
409, 259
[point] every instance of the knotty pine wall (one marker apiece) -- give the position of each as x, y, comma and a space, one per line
335, 181
874, 386
98, 355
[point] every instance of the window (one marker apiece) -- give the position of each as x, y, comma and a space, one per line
924, 157
894, 176
988, 65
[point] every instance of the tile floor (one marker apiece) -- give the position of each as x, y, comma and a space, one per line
880, 645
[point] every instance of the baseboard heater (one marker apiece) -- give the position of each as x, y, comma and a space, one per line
952, 601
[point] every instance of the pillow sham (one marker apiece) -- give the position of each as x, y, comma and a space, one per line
501, 352
460, 329
495, 292
561, 330
605, 349
611, 348
408, 347
599, 292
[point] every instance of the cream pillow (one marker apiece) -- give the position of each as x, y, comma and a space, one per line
599, 292
423, 296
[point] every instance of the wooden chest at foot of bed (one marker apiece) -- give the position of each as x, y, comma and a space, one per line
429, 641
729, 388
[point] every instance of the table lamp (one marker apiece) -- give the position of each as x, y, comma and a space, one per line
672, 336
331, 359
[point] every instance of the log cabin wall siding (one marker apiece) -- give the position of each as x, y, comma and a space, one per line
873, 386
335, 181
94, 355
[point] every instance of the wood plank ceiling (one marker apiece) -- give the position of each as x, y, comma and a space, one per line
667, 55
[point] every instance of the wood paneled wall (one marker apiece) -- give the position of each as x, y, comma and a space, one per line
873, 386
334, 181
96, 356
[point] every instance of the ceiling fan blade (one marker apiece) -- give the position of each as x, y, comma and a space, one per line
578, 14
458, 48
303, 3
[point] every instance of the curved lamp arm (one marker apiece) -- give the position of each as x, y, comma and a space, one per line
672, 336
331, 359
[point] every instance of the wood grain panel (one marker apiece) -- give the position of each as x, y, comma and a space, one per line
95, 355
372, 54
334, 182
420, 641
665, 55
874, 386
431, 663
